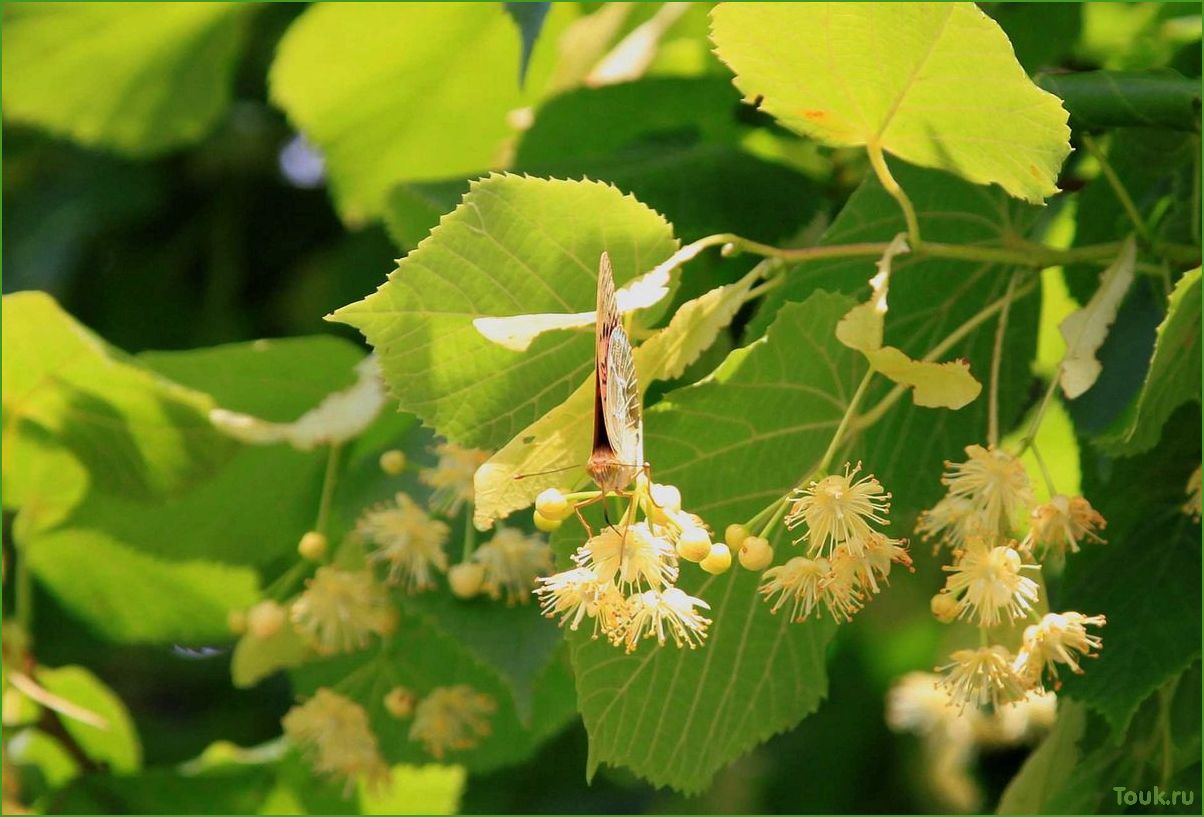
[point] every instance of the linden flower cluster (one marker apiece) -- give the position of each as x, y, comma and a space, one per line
406, 539
624, 576
847, 560
335, 733
452, 476
991, 580
953, 735
506, 566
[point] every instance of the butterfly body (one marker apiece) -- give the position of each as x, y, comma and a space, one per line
618, 446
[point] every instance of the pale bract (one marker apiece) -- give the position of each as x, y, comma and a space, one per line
341, 416
1086, 329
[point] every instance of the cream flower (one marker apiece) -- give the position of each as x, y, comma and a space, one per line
334, 734
995, 483
879, 554
512, 561
950, 522
839, 509
918, 702
653, 612
987, 582
1059, 638
452, 476
452, 718
981, 676
1195, 489
574, 595
1060, 524
841, 588
1024, 720
340, 609
796, 582
630, 557
408, 540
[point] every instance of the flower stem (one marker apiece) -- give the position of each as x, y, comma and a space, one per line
779, 510
1118, 187
328, 482
470, 534
1049, 483
875, 413
849, 412
1035, 425
878, 163
996, 358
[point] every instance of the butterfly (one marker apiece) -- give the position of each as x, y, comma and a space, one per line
617, 455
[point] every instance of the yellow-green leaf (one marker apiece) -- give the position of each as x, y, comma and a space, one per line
934, 385
116, 743
907, 78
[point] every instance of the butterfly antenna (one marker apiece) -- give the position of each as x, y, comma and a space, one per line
549, 471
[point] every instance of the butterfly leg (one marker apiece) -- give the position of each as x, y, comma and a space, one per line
589, 532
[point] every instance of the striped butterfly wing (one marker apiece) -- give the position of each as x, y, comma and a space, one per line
618, 431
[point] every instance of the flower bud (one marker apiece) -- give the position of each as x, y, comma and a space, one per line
552, 504
718, 560
545, 524
735, 535
399, 702
466, 579
393, 462
265, 619
666, 497
945, 607
755, 553
693, 544
312, 546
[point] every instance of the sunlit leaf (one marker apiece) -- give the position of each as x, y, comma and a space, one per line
515, 245
84, 70
934, 385
429, 789
1174, 374
904, 78
116, 742
1086, 329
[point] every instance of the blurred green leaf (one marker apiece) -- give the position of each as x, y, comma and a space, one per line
529, 17
421, 659
125, 595
903, 78
1173, 378
232, 790
674, 716
256, 658
1119, 99
1041, 33
403, 92
430, 789
130, 77
137, 434
116, 744
34, 748
514, 246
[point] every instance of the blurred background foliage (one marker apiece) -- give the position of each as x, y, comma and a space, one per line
190, 176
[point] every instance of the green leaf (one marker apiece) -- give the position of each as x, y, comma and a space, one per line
1173, 377
906, 79
529, 17
386, 101
561, 438
1119, 99
924, 308
230, 790
33, 747
126, 595
1048, 769
137, 434
133, 78
1146, 579
258, 504
420, 659
675, 716
116, 744
430, 789
515, 245
256, 658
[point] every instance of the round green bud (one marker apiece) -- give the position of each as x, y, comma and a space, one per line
393, 462
312, 546
552, 504
466, 579
718, 560
693, 544
546, 525
735, 535
755, 553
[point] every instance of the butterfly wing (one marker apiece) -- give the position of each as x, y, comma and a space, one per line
624, 424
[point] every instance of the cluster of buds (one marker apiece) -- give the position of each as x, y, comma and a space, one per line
991, 578
335, 733
847, 560
624, 577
